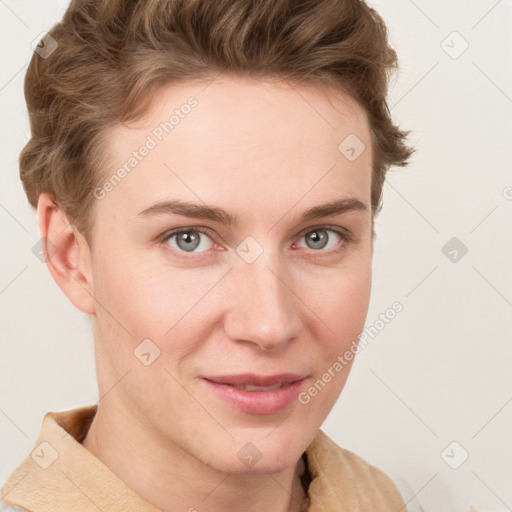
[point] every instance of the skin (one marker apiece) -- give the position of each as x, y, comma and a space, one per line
265, 152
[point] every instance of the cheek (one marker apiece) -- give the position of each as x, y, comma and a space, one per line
352, 298
141, 301
339, 317
135, 295
340, 303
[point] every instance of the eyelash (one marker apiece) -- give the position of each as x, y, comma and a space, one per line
345, 235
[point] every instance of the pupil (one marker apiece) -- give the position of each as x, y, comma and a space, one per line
318, 238
188, 238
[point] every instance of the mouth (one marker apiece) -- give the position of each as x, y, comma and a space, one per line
249, 387
257, 394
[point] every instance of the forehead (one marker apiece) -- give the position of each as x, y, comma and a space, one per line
262, 138
248, 104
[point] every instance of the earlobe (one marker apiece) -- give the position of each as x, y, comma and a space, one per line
67, 254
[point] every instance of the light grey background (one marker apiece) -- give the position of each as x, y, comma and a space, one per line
440, 371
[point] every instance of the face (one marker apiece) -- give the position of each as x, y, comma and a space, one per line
229, 276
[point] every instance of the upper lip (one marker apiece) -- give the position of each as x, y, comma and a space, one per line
252, 379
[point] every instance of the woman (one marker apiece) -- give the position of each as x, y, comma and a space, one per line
258, 134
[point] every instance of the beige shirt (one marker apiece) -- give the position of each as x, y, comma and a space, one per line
61, 475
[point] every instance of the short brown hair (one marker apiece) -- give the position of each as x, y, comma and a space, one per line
113, 55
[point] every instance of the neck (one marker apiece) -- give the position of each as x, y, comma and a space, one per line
171, 479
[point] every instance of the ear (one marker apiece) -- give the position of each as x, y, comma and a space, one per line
67, 254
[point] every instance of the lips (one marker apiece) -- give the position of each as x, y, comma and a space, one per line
257, 394
251, 379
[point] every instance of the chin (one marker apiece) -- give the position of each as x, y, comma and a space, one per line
252, 453
268, 464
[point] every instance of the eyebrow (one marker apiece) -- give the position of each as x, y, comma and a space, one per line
216, 214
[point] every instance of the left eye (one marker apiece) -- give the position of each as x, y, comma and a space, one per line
319, 238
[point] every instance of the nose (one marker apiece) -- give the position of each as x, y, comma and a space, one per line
263, 305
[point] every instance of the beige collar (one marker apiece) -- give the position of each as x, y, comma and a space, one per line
61, 475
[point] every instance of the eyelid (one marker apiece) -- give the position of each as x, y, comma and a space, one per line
343, 232
186, 229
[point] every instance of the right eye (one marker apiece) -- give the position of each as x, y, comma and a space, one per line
187, 240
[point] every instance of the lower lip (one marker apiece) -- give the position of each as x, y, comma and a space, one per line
257, 402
